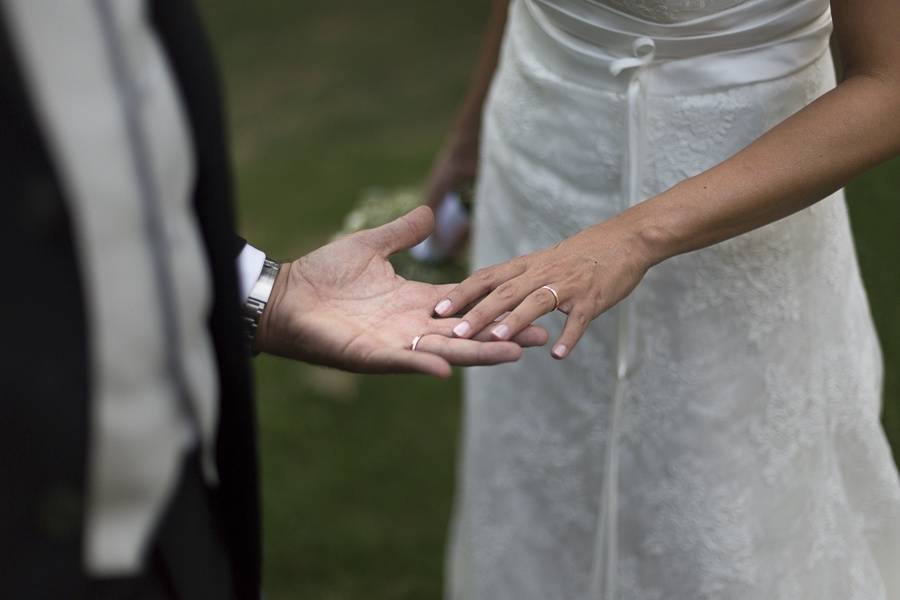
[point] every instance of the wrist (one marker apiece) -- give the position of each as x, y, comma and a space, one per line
655, 241
654, 228
263, 341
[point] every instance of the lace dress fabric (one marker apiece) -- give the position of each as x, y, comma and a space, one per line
751, 462
670, 11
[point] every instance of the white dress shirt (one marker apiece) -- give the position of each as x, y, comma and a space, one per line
117, 132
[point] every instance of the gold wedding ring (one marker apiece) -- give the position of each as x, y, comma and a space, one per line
415, 342
555, 295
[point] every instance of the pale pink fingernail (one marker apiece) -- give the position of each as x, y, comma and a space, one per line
442, 307
461, 329
559, 351
500, 331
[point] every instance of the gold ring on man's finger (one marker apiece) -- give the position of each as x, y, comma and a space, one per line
415, 342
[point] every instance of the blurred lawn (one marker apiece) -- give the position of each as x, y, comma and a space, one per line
326, 99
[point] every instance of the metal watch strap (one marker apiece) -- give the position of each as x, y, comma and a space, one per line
259, 296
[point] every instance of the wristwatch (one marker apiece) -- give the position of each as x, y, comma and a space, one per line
259, 296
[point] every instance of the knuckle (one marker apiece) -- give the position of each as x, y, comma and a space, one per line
483, 276
506, 291
580, 316
545, 298
520, 264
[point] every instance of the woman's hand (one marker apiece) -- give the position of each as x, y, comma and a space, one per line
455, 166
454, 169
590, 271
457, 163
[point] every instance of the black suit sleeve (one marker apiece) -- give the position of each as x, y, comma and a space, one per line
237, 497
239, 244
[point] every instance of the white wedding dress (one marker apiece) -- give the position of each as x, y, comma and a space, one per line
716, 435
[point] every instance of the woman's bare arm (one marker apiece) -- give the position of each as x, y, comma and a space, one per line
797, 163
802, 160
458, 160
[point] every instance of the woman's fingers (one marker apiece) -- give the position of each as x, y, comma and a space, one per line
576, 324
504, 298
467, 353
537, 304
529, 337
480, 283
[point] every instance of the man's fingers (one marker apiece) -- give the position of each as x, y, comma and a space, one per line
468, 353
401, 233
532, 337
576, 324
399, 360
480, 283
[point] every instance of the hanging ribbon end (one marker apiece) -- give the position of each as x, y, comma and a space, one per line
644, 50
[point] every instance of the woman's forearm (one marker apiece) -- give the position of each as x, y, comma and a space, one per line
797, 163
456, 165
802, 160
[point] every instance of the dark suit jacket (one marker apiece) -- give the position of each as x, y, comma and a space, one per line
45, 383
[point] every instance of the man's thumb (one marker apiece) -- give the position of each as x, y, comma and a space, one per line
402, 233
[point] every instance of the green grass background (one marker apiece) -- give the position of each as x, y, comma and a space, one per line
326, 99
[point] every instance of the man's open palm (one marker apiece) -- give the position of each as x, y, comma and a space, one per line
344, 306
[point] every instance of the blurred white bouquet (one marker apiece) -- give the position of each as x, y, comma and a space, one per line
426, 262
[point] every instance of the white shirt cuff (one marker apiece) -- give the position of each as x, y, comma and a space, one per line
250, 265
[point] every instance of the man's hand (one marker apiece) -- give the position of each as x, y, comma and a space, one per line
343, 306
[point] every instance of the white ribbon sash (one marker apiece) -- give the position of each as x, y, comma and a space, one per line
755, 41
